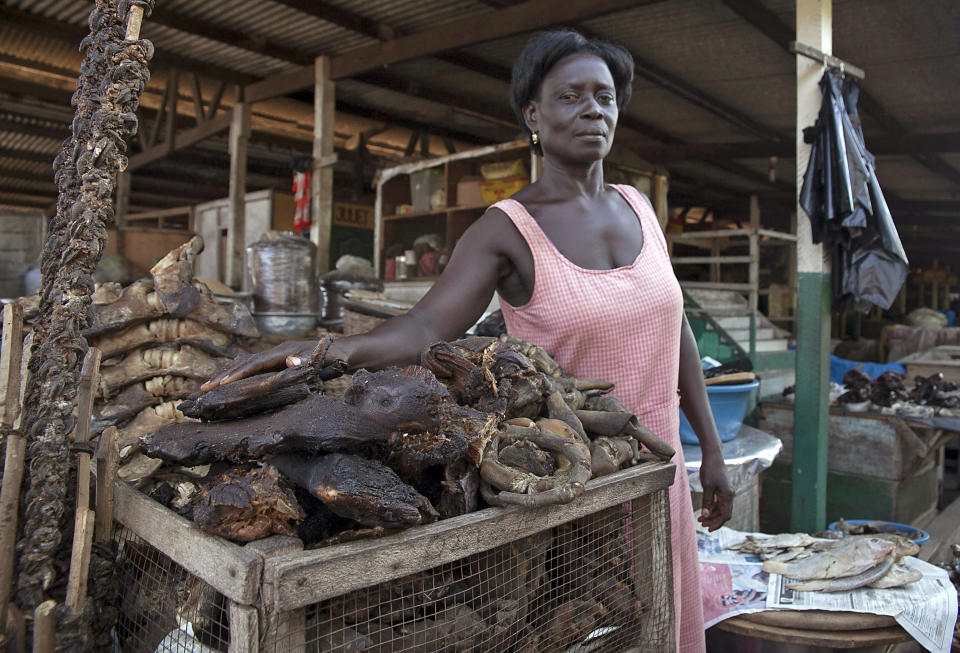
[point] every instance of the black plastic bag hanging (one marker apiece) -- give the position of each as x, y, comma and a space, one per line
847, 210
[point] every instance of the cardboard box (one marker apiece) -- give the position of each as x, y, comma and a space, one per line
468, 192
494, 191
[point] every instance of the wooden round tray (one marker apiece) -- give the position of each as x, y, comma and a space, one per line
820, 619
849, 638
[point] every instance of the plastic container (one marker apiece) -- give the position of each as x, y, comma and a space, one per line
423, 184
728, 404
920, 536
494, 191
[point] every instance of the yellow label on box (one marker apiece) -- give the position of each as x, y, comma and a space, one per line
359, 216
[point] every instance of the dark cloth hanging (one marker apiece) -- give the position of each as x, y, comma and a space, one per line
847, 211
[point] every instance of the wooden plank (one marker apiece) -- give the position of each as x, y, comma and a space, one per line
304, 578
829, 60
298, 79
9, 504
711, 285
524, 17
80, 560
777, 235
944, 531
714, 233
11, 355
16, 629
237, 226
229, 569
321, 181
89, 378
44, 627
680, 260
108, 460
244, 629
184, 139
283, 632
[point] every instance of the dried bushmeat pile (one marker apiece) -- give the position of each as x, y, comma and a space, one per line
483, 421
888, 394
160, 339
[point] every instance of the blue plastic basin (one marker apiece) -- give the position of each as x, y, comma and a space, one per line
919, 537
728, 404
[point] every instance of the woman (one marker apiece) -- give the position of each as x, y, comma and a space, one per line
582, 269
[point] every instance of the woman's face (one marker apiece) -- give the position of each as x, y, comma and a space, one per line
576, 112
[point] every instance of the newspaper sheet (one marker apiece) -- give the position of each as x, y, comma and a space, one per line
734, 583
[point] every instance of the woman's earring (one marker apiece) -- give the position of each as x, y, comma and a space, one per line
535, 138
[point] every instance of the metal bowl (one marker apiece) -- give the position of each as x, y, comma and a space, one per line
285, 324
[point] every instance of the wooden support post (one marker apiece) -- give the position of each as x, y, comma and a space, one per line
811, 417
122, 208
16, 629
170, 133
237, 230
715, 267
282, 631
89, 379
80, 560
10, 361
660, 190
754, 294
108, 460
44, 627
244, 628
321, 181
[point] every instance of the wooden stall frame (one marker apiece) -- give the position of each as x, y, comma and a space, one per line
269, 582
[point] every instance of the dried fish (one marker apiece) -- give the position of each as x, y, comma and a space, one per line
845, 583
847, 557
899, 575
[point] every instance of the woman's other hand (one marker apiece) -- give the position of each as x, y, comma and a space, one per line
717, 506
288, 354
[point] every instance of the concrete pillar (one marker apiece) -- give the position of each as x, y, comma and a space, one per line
811, 412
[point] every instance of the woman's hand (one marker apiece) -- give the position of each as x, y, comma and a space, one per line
717, 506
288, 354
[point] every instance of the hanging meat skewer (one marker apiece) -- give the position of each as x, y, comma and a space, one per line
113, 75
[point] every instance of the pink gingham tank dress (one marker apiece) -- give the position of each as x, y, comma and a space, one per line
621, 325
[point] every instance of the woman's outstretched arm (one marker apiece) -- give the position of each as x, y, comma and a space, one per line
452, 305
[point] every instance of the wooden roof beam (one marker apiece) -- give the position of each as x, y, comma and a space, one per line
769, 24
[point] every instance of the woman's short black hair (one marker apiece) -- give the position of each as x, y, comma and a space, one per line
542, 53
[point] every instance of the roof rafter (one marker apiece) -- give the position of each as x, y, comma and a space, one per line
769, 24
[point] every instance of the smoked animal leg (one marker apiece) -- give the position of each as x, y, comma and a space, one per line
140, 365
359, 489
374, 407
263, 392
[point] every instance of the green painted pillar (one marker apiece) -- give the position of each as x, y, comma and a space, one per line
811, 411
808, 504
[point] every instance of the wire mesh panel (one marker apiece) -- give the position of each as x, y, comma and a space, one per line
598, 583
165, 609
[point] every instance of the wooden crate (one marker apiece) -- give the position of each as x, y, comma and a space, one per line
878, 467
270, 595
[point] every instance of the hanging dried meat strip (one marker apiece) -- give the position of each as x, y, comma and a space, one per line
113, 75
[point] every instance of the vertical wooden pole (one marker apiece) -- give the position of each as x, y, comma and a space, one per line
237, 234
170, 132
754, 273
10, 362
108, 459
44, 627
660, 189
321, 181
811, 411
80, 559
122, 208
89, 378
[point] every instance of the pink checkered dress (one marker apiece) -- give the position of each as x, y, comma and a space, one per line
621, 325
